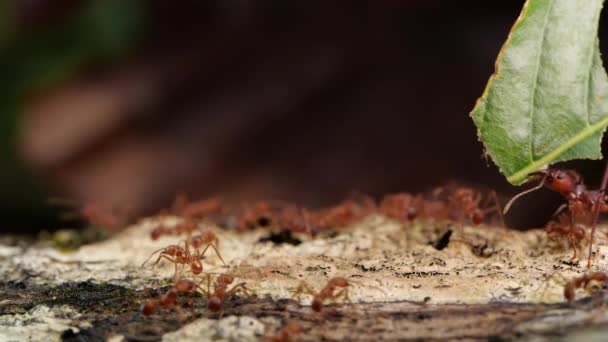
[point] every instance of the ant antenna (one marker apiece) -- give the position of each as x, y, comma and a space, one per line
560, 209
151, 255
525, 192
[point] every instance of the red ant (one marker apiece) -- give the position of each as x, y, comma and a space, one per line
297, 220
183, 207
220, 293
201, 208
346, 212
402, 206
168, 300
565, 227
328, 292
94, 213
187, 211
583, 282
286, 334
580, 200
208, 239
178, 255
253, 215
187, 226
468, 203
160, 231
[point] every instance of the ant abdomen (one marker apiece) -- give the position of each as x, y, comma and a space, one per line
196, 267
149, 307
477, 217
214, 304
317, 304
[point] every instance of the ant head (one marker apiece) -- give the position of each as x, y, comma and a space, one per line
184, 285
562, 181
225, 278
157, 232
168, 297
340, 282
171, 250
197, 241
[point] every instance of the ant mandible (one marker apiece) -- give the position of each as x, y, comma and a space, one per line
328, 292
582, 282
580, 200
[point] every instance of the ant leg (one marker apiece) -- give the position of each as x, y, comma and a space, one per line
217, 252
207, 292
512, 200
497, 207
178, 273
239, 288
573, 245
208, 286
151, 255
192, 298
342, 293
180, 313
303, 289
596, 214
559, 210
162, 256
570, 237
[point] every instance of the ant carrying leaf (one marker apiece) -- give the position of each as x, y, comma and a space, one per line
581, 202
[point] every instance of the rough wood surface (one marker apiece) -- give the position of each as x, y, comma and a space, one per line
406, 283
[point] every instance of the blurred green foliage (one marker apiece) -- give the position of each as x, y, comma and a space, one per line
35, 59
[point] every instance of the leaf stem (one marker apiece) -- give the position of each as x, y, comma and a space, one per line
521, 175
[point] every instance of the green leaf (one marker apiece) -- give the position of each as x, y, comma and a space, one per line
548, 98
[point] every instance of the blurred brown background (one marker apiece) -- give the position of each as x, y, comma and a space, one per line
127, 102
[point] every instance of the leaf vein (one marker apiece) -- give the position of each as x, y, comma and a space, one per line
588, 91
594, 47
536, 79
